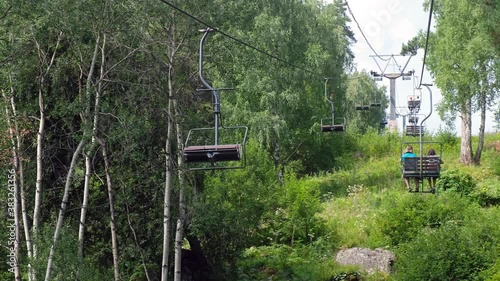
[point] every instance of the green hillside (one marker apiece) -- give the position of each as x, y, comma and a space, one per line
451, 235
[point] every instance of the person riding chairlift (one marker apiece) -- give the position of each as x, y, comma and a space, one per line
432, 180
409, 154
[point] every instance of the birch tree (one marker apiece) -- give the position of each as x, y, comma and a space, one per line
46, 61
463, 61
13, 202
74, 160
112, 223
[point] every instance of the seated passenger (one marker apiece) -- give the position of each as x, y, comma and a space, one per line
432, 180
409, 154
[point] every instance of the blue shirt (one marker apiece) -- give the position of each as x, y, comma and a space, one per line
408, 155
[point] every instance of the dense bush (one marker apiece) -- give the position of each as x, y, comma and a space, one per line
401, 218
284, 263
455, 251
492, 273
487, 192
66, 264
373, 144
294, 218
447, 138
456, 181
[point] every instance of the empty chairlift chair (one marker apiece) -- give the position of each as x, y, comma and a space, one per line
211, 150
362, 107
332, 124
376, 104
414, 130
327, 125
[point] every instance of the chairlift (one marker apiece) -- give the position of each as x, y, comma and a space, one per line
414, 130
332, 124
414, 103
362, 107
327, 125
383, 122
211, 150
376, 103
423, 166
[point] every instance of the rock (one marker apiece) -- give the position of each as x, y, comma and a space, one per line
369, 260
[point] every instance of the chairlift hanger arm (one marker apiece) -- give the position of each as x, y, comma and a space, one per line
326, 91
430, 94
202, 79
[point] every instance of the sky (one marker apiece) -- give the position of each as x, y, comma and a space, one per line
387, 24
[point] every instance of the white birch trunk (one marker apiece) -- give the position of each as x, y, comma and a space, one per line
167, 199
39, 170
480, 144
24, 210
466, 138
114, 241
20, 173
168, 180
83, 212
40, 137
64, 205
13, 203
179, 235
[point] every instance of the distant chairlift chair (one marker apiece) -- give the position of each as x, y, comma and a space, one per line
376, 104
414, 103
332, 124
362, 107
413, 129
216, 152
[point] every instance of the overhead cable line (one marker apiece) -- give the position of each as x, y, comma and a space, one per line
362, 33
426, 42
238, 40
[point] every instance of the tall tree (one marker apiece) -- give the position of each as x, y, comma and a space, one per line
463, 62
13, 183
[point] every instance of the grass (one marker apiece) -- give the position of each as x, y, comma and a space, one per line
368, 206
375, 186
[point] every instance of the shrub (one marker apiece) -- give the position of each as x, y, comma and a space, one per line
372, 144
66, 264
492, 273
456, 181
451, 252
402, 218
294, 219
447, 137
487, 192
281, 262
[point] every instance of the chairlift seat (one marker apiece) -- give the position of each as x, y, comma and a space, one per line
421, 167
333, 128
212, 153
414, 130
413, 119
362, 107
